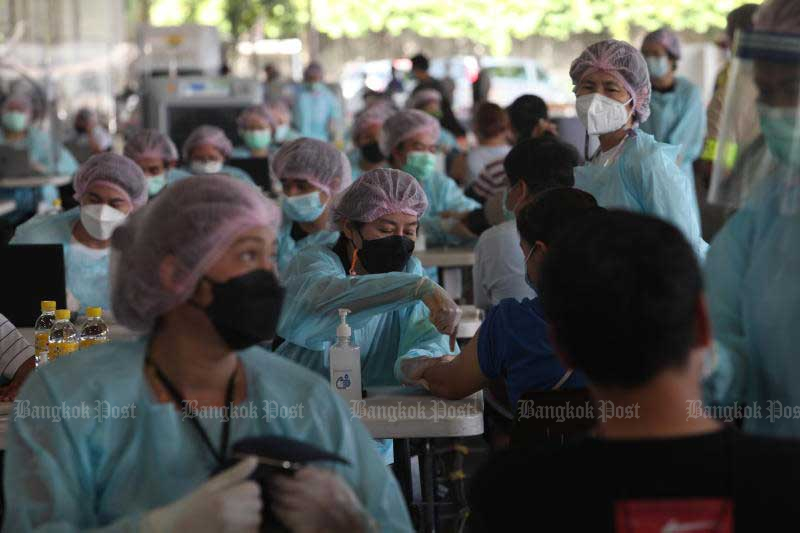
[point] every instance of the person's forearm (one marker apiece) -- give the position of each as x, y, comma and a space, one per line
441, 382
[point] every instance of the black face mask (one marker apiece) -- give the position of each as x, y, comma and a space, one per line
389, 254
245, 309
371, 153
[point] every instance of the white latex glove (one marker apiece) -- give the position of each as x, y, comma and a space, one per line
316, 500
445, 313
228, 503
413, 369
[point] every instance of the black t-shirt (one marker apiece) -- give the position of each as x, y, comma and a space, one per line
723, 481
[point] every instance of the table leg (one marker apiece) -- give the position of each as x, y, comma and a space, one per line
428, 488
402, 468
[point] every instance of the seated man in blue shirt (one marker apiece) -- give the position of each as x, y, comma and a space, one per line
513, 342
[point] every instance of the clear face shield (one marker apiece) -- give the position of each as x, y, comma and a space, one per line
758, 147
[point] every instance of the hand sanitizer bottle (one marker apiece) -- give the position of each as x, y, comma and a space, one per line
345, 362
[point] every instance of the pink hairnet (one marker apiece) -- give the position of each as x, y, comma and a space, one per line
622, 61
380, 192
404, 125
666, 38
210, 135
193, 221
375, 115
259, 111
424, 97
150, 144
115, 170
21, 101
778, 16
317, 162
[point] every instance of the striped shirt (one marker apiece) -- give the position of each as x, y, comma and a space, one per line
491, 180
14, 349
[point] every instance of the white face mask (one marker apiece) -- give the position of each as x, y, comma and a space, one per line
100, 220
206, 167
601, 114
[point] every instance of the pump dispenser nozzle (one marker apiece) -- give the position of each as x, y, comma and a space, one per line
343, 331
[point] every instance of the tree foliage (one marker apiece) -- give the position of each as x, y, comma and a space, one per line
492, 24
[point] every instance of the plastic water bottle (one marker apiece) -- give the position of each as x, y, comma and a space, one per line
63, 336
41, 331
345, 362
94, 330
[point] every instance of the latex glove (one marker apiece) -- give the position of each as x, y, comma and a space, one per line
413, 369
228, 502
316, 500
445, 314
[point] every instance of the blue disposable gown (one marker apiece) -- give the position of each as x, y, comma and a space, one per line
99, 473
288, 247
354, 156
177, 174
443, 194
645, 178
314, 111
389, 323
678, 117
86, 270
447, 141
752, 276
243, 152
40, 150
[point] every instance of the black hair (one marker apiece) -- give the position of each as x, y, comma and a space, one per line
621, 291
551, 212
525, 113
543, 163
420, 62
741, 19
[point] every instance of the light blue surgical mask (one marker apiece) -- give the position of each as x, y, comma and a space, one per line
528, 281
304, 207
420, 164
15, 121
658, 66
257, 139
281, 133
155, 184
781, 133
509, 214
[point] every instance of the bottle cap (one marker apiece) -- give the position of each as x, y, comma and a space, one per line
48, 306
94, 312
343, 330
57, 202
62, 314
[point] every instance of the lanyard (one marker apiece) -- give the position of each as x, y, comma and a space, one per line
178, 398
